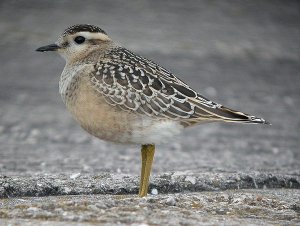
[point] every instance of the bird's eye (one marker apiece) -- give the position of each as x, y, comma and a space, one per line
79, 39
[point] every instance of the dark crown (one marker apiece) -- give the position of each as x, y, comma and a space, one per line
82, 27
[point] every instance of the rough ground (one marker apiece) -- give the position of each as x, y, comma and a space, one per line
242, 54
246, 207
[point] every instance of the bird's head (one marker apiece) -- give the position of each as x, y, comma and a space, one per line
77, 41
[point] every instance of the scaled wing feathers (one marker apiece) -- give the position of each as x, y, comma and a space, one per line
136, 84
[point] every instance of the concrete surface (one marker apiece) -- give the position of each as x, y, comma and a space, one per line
242, 54
245, 207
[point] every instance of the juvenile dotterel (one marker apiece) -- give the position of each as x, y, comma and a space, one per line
119, 96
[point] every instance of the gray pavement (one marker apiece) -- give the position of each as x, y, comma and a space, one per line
242, 54
245, 207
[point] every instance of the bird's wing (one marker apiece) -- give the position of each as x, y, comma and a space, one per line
136, 84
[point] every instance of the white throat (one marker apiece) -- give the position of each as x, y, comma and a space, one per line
66, 79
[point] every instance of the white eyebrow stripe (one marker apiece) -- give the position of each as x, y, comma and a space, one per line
91, 35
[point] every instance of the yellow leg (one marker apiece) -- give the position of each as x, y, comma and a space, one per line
147, 159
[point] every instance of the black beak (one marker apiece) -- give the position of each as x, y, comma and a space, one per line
52, 47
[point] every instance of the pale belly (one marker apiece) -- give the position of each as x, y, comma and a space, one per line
110, 123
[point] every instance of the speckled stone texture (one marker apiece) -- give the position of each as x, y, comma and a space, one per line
242, 54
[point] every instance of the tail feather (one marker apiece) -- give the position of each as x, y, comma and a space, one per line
237, 116
204, 113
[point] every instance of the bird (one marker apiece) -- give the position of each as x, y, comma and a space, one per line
119, 96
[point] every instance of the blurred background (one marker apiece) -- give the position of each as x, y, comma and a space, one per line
242, 54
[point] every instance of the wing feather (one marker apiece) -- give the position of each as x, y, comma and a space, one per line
137, 84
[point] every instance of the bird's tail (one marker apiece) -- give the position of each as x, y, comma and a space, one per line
229, 115
216, 113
